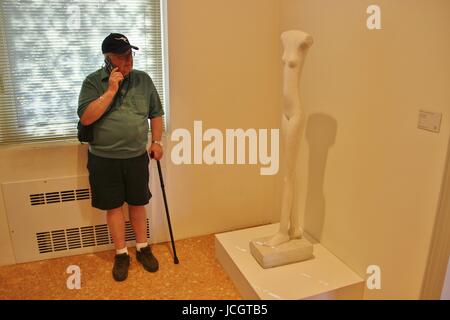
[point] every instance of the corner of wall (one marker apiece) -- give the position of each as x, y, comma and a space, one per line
7, 257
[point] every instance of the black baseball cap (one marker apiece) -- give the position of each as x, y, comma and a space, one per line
116, 43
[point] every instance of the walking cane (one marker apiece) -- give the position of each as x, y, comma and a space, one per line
175, 258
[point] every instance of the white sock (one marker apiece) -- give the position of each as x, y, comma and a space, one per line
141, 245
124, 250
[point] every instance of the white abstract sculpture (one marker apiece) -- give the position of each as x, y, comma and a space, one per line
296, 44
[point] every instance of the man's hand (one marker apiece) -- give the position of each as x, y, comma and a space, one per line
114, 80
157, 151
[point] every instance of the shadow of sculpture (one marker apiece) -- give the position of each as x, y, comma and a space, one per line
320, 134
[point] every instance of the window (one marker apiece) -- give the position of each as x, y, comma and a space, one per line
47, 49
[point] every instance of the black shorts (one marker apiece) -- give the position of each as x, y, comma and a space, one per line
115, 181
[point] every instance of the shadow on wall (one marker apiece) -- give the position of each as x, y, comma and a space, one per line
320, 133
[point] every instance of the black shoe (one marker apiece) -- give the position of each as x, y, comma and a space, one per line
148, 260
121, 264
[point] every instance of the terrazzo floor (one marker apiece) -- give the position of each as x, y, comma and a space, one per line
198, 276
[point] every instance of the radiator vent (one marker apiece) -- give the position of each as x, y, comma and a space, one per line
44, 242
87, 236
59, 196
53, 217
75, 238
102, 234
59, 240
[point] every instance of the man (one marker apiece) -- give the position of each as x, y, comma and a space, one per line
119, 105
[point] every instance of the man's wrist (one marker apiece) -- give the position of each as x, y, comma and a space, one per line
109, 94
106, 98
157, 142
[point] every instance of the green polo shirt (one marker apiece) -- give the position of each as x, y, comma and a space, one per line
122, 132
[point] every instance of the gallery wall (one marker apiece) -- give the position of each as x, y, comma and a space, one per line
369, 179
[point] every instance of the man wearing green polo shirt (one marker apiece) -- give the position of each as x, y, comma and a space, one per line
118, 103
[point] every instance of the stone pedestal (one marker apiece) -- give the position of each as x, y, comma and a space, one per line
289, 252
323, 277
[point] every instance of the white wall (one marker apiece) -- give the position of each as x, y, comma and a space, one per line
445, 295
223, 58
224, 71
369, 180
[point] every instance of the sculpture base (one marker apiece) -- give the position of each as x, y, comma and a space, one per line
324, 277
289, 252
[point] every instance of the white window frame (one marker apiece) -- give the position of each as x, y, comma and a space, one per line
6, 74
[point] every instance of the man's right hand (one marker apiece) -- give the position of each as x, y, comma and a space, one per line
96, 108
114, 80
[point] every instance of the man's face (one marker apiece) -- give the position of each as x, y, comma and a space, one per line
123, 61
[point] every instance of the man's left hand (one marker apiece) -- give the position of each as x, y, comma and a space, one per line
157, 151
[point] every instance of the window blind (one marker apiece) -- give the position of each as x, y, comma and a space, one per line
48, 47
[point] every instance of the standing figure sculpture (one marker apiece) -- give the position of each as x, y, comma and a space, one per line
296, 44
